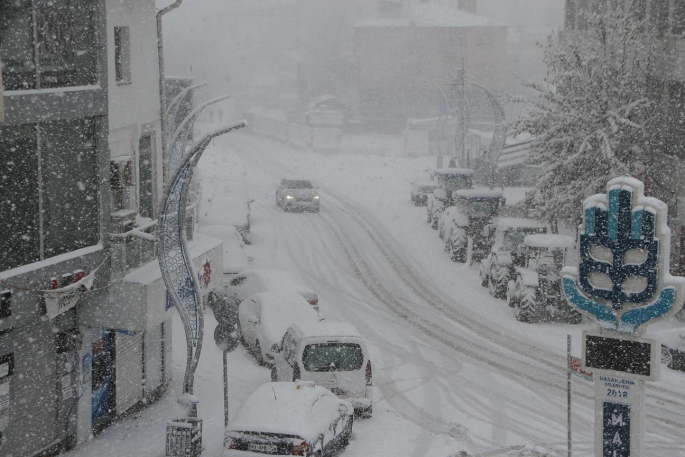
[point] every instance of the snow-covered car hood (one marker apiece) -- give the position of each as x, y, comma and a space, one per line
286, 407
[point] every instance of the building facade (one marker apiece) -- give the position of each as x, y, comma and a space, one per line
81, 148
412, 61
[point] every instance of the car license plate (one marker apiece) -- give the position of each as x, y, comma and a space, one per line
260, 447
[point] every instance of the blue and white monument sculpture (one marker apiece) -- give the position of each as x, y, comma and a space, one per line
182, 286
623, 282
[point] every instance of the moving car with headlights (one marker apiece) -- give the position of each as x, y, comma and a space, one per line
331, 354
264, 318
421, 189
298, 195
289, 418
253, 280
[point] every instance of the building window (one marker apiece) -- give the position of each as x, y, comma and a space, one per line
46, 44
145, 175
122, 55
658, 15
570, 17
678, 19
48, 190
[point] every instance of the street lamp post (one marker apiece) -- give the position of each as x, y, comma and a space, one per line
184, 291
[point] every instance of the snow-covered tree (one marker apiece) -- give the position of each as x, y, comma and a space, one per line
595, 114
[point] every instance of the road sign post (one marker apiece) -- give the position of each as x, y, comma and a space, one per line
623, 282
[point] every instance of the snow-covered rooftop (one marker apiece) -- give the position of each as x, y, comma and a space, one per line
431, 15
549, 240
519, 222
278, 280
479, 193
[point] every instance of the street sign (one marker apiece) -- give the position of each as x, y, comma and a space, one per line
226, 337
623, 281
575, 364
621, 355
616, 434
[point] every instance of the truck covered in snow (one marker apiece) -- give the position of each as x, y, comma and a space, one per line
448, 180
466, 234
506, 252
535, 293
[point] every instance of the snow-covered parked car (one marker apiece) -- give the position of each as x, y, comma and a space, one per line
466, 231
331, 354
421, 189
228, 206
265, 317
536, 292
298, 195
497, 269
671, 335
289, 418
254, 280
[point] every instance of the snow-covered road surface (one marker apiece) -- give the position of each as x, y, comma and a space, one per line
453, 369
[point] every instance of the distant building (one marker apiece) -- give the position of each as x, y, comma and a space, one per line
408, 60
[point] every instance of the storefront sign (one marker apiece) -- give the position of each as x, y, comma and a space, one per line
616, 434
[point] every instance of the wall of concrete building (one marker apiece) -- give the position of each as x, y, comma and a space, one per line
43, 387
134, 105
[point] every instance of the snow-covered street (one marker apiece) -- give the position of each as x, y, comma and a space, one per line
453, 370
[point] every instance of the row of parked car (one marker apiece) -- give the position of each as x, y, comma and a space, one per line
321, 375
518, 259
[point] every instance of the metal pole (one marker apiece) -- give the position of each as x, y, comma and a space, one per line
225, 390
568, 390
162, 92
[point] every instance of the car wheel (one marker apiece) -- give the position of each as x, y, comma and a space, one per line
258, 353
367, 413
666, 356
497, 282
447, 245
457, 254
483, 276
274, 375
347, 434
512, 298
526, 306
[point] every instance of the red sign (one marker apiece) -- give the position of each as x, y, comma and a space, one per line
575, 364
207, 275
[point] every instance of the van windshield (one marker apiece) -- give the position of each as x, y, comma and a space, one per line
333, 357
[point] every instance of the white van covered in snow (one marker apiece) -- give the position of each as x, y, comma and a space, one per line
333, 355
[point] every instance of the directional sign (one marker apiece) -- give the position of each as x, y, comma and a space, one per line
616, 433
575, 364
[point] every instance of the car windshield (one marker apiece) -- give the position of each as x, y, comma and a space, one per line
456, 182
426, 188
333, 357
298, 185
514, 238
482, 208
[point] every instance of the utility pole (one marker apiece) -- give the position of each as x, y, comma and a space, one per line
460, 138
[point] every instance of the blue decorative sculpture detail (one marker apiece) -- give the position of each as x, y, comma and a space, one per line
623, 239
175, 263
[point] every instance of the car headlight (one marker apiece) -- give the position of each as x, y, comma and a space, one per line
289, 197
316, 197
